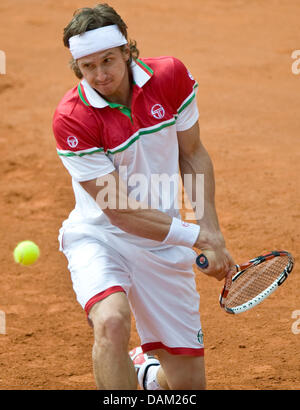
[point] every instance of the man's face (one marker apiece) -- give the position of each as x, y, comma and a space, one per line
106, 71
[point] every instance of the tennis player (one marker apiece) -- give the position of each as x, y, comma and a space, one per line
128, 120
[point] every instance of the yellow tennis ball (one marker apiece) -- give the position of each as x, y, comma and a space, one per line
26, 253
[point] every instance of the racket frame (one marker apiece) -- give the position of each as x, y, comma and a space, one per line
240, 269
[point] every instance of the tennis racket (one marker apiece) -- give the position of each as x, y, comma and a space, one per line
249, 284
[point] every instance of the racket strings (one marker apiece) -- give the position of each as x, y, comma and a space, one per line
255, 280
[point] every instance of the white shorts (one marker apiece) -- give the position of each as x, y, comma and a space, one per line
159, 284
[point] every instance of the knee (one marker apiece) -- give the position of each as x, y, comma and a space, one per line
116, 326
112, 327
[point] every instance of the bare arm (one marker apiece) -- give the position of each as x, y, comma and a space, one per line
130, 217
194, 159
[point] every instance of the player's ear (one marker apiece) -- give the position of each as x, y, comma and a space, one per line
126, 52
74, 66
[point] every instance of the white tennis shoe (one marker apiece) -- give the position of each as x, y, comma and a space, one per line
142, 363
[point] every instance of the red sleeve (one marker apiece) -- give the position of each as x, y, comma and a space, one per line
72, 134
184, 83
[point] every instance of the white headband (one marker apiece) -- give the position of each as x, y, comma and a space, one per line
96, 40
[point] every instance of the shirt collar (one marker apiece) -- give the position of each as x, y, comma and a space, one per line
141, 75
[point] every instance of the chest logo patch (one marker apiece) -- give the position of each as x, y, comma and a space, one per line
158, 111
72, 141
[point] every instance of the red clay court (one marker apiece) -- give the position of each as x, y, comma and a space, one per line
249, 98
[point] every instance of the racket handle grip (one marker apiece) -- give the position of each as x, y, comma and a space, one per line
202, 261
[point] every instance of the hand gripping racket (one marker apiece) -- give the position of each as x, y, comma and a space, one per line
249, 284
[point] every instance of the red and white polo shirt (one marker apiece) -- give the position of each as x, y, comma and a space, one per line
95, 137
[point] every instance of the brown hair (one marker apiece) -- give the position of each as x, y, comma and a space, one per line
86, 19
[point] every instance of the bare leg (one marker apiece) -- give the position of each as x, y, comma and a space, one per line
113, 368
180, 372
